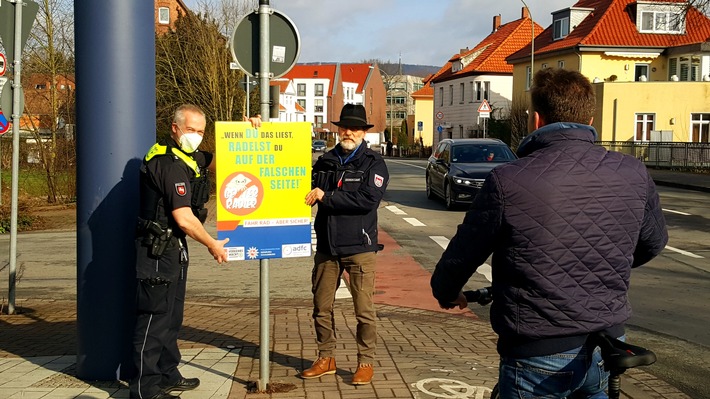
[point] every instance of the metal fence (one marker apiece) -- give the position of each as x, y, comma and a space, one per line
664, 155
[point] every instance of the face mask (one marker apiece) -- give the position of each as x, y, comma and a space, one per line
190, 141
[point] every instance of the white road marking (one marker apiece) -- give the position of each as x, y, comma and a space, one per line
414, 222
407, 163
676, 212
484, 269
686, 253
395, 210
441, 240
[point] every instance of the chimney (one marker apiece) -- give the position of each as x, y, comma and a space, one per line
496, 22
525, 14
463, 50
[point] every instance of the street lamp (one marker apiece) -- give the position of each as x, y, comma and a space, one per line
532, 41
390, 99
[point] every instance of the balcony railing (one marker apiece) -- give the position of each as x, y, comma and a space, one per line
664, 155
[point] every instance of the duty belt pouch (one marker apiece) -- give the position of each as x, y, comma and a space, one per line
153, 296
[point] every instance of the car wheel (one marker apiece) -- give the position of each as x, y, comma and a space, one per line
449, 197
429, 194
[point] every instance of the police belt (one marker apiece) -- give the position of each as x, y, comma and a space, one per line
156, 237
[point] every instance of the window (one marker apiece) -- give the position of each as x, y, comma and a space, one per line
319, 89
318, 105
686, 68
479, 92
451, 94
641, 70
164, 15
473, 91
396, 100
463, 93
40, 86
700, 128
487, 91
644, 124
560, 28
544, 66
416, 86
441, 96
661, 22
561, 64
301, 89
397, 115
672, 67
318, 120
528, 77
302, 103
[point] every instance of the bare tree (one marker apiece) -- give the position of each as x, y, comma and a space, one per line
48, 76
192, 66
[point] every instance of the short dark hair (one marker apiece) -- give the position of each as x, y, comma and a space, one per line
560, 95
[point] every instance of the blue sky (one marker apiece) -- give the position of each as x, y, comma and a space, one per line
425, 32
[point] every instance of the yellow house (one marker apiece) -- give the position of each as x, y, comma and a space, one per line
649, 61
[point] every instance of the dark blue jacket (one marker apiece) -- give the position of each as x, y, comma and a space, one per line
565, 224
346, 222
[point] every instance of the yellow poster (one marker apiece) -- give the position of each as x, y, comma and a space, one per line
263, 176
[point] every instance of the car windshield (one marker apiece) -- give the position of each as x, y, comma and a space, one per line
474, 153
319, 142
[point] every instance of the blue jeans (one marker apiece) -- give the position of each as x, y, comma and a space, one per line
554, 376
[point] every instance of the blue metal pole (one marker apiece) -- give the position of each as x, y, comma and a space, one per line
115, 78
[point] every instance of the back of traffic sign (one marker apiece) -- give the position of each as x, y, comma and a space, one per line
7, 28
284, 42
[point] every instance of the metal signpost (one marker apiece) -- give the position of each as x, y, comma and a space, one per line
18, 17
265, 44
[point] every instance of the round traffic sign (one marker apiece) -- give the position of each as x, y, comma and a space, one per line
439, 115
4, 124
284, 43
3, 64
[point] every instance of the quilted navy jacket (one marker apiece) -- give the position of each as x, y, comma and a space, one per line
565, 224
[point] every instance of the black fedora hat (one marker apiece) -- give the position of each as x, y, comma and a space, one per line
353, 115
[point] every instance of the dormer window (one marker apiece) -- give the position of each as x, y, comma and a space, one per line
660, 18
560, 28
660, 22
456, 66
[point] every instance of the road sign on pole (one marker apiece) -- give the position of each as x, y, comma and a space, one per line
484, 110
7, 28
3, 64
285, 44
4, 124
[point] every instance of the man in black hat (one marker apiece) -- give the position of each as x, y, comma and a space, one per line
348, 183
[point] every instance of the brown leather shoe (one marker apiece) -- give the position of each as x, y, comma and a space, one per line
364, 374
322, 366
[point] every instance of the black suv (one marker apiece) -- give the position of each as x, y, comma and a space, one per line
458, 167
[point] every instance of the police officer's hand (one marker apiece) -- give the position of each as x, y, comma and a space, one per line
218, 252
314, 196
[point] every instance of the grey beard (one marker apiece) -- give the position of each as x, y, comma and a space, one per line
350, 145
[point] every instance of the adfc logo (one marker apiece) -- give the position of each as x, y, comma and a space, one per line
241, 193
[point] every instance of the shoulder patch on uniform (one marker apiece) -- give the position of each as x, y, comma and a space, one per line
379, 180
181, 189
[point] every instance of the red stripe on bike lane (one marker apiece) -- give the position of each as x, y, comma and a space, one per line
402, 281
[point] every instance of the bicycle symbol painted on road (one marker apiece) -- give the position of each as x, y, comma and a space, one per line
450, 389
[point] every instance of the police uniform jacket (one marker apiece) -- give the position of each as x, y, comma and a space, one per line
354, 184
172, 179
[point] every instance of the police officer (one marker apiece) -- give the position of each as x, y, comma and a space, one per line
173, 191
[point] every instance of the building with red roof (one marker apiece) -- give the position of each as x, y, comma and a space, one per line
649, 61
321, 90
480, 74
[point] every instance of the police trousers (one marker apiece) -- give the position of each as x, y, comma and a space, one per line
326, 274
159, 318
